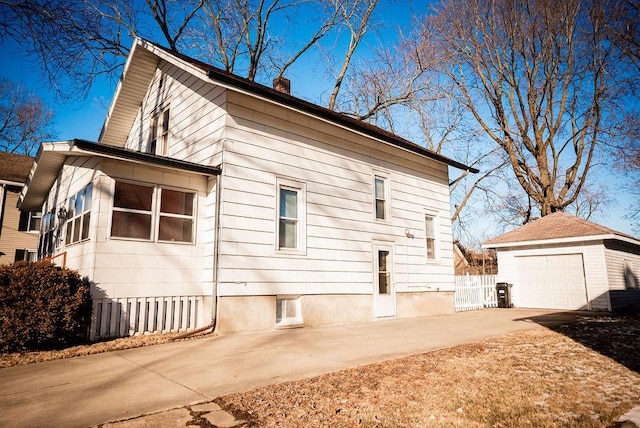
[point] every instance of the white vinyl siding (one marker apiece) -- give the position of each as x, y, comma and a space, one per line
196, 117
338, 168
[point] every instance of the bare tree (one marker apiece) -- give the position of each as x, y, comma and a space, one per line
539, 77
79, 41
24, 120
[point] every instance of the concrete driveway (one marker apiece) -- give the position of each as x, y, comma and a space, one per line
92, 390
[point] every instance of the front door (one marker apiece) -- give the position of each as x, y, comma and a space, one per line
383, 287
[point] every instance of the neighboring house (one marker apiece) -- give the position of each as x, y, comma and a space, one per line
210, 197
18, 229
563, 262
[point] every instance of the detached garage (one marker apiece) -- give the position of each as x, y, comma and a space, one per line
564, 262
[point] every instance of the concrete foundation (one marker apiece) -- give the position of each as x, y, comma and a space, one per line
420, 304
258, 313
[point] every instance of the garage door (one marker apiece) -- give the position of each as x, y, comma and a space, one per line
550, 282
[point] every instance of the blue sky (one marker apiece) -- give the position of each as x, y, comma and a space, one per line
84, 118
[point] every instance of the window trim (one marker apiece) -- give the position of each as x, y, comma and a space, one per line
386, 181
301, 229
436, 240
155, 213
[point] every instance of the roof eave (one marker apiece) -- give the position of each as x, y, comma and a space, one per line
569, 240
52, 156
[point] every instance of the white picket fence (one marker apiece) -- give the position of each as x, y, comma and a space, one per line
475, 292
138, 315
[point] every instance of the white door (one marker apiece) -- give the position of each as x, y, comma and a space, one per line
383, 287
551, 282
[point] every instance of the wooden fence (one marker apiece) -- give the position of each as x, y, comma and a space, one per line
475, 292
138, 315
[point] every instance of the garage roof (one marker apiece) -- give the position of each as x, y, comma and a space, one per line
557, 227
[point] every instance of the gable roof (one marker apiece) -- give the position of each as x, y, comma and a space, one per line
14, 168
557, 227
144, 58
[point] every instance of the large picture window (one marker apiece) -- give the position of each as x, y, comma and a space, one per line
152, 213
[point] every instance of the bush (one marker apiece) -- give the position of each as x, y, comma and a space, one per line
42, 306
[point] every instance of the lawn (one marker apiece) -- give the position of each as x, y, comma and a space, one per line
582, 375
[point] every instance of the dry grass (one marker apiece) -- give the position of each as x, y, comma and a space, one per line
18, 358
581, 375
539, 378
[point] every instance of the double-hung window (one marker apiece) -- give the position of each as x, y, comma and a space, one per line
291, 216
132, 211
152, 213
79, 216
159, 122
30, 221
381, 195
430, 237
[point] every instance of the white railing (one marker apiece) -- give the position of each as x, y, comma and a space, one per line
475, 292
139, 315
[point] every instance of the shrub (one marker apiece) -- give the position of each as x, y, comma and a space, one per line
42, 306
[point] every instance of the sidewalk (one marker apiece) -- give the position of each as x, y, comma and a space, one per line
93, 390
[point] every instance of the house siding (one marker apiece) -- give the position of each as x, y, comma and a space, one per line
197, 116
620, 256
12, 239
265, 143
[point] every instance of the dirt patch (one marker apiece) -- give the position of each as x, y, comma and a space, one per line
539, 378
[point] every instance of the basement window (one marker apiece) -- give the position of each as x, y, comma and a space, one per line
288, 312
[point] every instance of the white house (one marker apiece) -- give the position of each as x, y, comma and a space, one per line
210, 198
564, 262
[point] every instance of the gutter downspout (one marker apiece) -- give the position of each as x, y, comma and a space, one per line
216, 269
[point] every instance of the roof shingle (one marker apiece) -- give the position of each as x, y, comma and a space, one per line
15, 167
554, 226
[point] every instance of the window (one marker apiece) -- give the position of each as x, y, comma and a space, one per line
48, 241
291, 216
153, 135
25, 254
150, 213
381, 197
176, 216
132, 214
430, 236
159, 121
288, 218
165, 132
288, 312
79, 216
30, 221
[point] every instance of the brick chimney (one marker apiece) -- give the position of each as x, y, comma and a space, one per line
282, 84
